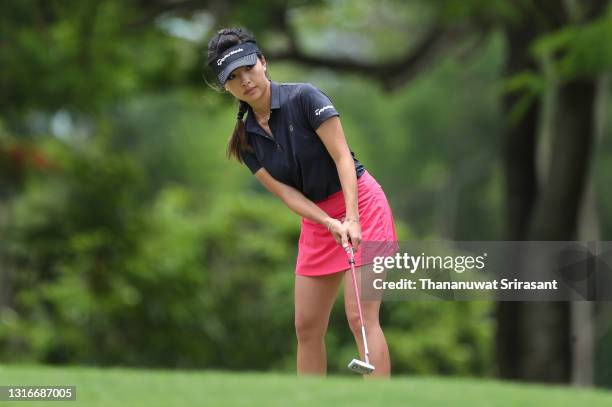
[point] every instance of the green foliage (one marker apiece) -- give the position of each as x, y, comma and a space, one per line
80, 54
574, 51
531, 86
480, 11
147, 248
101, 278
578, 50
67, 232
143, 246
444, 337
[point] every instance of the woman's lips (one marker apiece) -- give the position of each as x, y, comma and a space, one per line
248, 91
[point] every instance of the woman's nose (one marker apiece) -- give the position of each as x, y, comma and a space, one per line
245, 80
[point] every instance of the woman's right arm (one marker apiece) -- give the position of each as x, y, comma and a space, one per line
298, 203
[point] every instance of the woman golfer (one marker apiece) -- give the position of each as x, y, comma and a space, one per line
294, 144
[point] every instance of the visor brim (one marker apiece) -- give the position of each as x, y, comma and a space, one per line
247, 60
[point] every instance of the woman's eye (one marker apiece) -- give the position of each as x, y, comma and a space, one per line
249, 67
232, 76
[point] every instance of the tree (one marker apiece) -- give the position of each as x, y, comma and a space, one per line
537, 208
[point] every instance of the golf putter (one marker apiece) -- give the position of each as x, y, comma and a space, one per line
357, 365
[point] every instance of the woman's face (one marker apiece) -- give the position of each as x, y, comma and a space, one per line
248, 83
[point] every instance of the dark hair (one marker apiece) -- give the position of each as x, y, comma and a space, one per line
224, 39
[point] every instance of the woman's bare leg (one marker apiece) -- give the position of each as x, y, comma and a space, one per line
377, 345
314, 299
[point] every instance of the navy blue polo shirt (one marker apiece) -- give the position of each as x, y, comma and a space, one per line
296, 156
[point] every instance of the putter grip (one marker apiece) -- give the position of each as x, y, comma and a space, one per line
351, 255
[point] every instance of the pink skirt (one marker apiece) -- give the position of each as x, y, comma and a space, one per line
318, 252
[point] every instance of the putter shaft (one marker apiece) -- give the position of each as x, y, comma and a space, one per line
351, 261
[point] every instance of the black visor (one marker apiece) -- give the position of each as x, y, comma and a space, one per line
244, 54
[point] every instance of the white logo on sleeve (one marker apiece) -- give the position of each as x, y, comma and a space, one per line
321, 110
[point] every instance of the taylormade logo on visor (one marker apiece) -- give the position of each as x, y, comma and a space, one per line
221, 60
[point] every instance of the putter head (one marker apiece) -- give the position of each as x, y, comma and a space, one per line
358, 366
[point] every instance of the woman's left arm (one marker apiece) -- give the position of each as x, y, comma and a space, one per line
333, 138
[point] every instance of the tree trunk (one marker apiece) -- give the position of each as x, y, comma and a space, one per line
534, 338
584, 312
521, 189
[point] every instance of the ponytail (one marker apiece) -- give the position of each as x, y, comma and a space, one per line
238, 141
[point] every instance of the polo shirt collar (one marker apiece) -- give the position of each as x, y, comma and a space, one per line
274, 95
274, 104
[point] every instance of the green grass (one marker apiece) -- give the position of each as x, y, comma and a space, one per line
107, 387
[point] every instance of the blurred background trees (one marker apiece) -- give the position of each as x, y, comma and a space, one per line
127, 238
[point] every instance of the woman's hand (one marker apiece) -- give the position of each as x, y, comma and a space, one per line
343, 231
338, 230
354, 233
